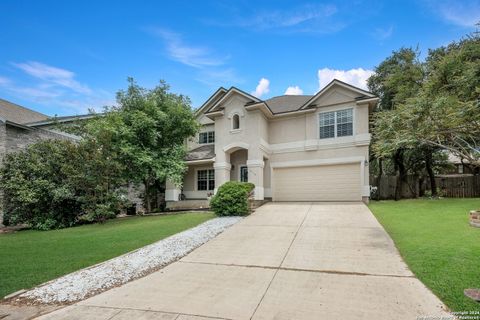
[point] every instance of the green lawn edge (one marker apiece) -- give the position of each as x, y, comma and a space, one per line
438, 244
29, 258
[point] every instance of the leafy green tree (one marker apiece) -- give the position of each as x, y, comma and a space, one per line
445, 113
147, 130
396, 79
56, 184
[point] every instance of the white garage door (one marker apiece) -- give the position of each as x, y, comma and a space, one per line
339, 182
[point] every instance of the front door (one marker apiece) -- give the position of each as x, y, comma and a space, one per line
244, 174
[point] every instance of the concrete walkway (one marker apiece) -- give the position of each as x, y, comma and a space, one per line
286, 261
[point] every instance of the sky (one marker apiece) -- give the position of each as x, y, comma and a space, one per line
66, 57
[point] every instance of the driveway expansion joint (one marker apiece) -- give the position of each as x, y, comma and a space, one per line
178, 314
347, 273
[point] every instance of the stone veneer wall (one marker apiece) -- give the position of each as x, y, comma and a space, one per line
13, 139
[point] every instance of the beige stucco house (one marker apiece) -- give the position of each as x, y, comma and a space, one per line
293, 148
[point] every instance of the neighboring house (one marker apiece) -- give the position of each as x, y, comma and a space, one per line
17, 130
20, 127
293, 148
459, 167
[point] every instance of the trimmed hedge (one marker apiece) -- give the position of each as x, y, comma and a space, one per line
231, 199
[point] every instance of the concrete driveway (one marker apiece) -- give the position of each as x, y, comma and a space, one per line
286, 261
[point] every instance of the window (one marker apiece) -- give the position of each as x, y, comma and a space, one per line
344, 123
205, 179
236, 122
244, 174
327, 125
206, 137
336, 124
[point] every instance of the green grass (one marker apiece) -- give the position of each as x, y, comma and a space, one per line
438, 244
28, 258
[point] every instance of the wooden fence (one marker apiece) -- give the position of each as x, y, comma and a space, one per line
450, 186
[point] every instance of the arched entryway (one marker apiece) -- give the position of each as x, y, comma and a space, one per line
238, 160
238, 163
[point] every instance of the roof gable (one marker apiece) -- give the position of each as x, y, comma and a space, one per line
232, 91
217, 95
344, 91
16, 113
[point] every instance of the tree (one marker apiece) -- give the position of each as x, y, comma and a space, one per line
445, 114
148, 129
396, 79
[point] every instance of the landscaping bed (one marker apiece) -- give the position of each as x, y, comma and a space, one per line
438, 243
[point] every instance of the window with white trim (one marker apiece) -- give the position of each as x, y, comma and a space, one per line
206, 137
336, 124
205, 180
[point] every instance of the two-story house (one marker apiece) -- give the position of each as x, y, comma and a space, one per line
292, 147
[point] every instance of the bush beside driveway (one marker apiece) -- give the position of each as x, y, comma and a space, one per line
438, 244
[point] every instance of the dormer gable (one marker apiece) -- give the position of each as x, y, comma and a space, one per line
232, 92
336, 92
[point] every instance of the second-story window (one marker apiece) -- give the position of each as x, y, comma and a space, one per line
336, 124
236, 122
206, 137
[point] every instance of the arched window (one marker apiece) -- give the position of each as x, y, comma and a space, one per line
236, 121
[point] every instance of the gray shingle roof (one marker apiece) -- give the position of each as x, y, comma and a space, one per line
15, 113
201, 153
286, 103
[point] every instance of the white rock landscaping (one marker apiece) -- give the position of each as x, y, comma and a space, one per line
86, 282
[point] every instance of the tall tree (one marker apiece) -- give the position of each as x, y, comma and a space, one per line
446, 112
396, 79
148, 129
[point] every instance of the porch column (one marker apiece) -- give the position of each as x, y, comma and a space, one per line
172, 192
255, 176
222, 173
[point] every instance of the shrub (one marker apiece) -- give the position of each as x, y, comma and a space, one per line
440, 194
101, 214
231, 199
52, 183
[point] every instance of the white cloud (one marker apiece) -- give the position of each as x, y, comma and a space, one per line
194, 56
290, 18
54, 86
461, 13
356, 77
262, 88
218, 77
382, 33
4, 81
293, 90
309, 18
53, 75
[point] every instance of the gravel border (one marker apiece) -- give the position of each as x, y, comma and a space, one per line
114, 272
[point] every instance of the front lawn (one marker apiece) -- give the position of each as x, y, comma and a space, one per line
438, 244
28, 258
